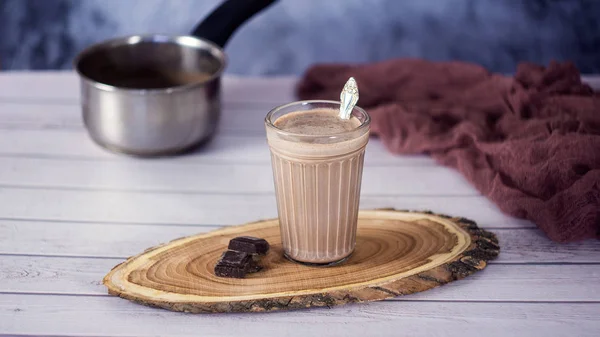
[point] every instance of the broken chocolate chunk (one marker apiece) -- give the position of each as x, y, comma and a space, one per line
224, 270
242, 257
235, 259
234, 264
249, 244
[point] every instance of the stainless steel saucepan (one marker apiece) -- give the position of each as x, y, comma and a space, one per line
154, 95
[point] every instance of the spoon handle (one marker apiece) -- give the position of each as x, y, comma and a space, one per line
348, 98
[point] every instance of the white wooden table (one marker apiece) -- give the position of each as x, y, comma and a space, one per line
70, 211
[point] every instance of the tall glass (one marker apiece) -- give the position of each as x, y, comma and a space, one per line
317, 183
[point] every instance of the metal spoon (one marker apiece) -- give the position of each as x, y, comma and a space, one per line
348, 98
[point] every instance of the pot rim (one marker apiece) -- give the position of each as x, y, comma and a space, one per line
184, 41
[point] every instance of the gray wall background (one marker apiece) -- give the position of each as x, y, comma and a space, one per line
293, 34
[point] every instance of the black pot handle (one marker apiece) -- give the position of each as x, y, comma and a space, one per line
223, 21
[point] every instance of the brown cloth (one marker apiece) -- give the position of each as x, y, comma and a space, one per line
530, 143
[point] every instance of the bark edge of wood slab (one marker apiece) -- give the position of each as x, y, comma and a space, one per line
397, 253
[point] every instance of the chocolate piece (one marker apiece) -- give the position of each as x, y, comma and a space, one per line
234, 264
235, 259
241, 258
249, 244
224, 270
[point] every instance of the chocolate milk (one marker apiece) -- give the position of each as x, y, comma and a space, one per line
317, 182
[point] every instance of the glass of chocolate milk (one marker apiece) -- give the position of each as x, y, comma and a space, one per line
317, 160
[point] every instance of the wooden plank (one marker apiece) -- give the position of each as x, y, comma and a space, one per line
124, 240
521, 283
273, 90
251, 99
164, 177
193, 209
247, 101
203, 250
384, 222
15, 116
236, 119
77, 315
47, 85
76, 145
63, 87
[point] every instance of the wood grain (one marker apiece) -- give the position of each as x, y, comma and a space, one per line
397, 253
120, 240
208, 209
48, 130
543, 283
226, 148
166, 177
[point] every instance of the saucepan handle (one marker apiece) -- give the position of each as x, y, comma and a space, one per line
223, 21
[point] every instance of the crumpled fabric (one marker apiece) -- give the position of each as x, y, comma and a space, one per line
529, 142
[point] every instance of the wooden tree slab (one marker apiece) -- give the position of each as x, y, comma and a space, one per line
397, 253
